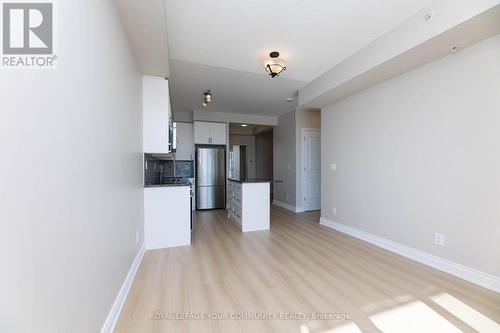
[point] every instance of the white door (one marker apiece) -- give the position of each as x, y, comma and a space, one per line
311, 162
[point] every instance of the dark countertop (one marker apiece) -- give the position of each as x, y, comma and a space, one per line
183, 183
252, 180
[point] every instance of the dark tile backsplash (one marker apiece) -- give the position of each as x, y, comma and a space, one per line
155, 170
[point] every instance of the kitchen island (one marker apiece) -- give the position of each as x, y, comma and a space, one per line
249, 204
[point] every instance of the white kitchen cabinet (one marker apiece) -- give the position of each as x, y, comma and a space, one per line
167, 216
185, 143
209, 133
218, 133
156, 113
249, 204
201, 132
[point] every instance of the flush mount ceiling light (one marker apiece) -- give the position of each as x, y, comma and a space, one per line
274, 65
207, 97
244, 125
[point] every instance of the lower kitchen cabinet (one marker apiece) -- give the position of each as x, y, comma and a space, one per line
167, 216
249, 205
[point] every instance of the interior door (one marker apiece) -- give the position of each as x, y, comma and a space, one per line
311, 151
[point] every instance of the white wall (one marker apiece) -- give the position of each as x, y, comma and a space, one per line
284, 142
204, 115
419, 154
288, 154
186, 117
71, 192
264, 155
310, 118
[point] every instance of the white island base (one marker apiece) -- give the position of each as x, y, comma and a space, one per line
249, 204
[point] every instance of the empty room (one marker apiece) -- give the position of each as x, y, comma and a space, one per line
250, 166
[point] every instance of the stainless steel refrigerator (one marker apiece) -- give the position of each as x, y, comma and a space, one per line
210, 177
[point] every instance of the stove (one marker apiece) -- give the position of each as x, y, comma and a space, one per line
173, 180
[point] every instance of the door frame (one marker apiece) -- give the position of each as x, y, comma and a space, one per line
303, 157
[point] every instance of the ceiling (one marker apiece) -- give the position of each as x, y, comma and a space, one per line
220, 45
312, 35
233, 91
146, 26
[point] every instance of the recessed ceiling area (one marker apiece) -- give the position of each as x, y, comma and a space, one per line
220, 45
233, 91
248, 129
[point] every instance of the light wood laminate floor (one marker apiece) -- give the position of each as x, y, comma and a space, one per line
298, 267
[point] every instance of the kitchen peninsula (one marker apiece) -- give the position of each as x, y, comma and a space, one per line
167, 202
249, 204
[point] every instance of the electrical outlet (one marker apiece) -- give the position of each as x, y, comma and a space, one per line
439, 239
334, 211
333, 167
137, 236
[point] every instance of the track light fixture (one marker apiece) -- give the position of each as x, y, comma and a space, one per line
207, 97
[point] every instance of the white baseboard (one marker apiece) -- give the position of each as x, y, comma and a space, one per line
472, 275
288, 207
114, 313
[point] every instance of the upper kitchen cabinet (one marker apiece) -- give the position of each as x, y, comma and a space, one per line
209, 133
218, 133
185, 144
201, 132
156, 114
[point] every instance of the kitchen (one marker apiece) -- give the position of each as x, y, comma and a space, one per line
389, 127
200, 165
